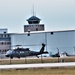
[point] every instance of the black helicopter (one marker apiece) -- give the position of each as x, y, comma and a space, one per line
25, 52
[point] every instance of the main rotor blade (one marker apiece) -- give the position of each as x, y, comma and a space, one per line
26, 45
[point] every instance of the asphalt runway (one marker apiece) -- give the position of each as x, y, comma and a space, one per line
40, 65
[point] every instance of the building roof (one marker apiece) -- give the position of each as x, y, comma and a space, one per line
35, 32
33, 18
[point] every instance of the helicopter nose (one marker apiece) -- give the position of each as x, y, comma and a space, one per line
7, 55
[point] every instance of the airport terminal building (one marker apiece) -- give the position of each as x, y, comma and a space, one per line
34, 35
5, 41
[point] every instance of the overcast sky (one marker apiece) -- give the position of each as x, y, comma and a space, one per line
55, 14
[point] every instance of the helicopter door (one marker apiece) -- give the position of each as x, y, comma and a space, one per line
18, 54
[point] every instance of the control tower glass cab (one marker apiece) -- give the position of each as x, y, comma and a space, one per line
33, 20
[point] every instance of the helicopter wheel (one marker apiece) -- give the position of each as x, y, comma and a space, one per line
11, 57
18, 57
37, 56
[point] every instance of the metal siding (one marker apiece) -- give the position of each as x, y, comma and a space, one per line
33, 41
64, 41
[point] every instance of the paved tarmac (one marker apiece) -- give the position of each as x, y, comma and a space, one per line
40, 65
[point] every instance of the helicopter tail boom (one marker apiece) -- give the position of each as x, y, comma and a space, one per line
42, 49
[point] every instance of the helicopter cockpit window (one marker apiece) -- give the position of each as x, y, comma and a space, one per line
21, 51
27, 49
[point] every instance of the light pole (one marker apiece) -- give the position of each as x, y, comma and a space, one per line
10, 59
74, 50
58, 54
24, 52
46, 40
41, 59
25, 58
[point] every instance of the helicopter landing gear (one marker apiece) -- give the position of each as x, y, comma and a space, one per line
11, 57
18, 56
37, 56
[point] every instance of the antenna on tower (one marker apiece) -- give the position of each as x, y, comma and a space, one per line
33, 10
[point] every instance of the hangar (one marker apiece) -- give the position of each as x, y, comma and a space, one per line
34, 35
54, 40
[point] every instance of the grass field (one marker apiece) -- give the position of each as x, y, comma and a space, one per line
35, 60
40, 71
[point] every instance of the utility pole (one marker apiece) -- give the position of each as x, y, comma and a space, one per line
58, 54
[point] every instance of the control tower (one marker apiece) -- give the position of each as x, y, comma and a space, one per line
33, 24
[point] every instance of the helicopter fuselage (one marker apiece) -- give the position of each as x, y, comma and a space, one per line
19, 53
24, 52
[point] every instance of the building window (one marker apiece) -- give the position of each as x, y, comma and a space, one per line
36, 29
2, 43
1, 35
27, 26
8, 35
8, 43
4, 35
